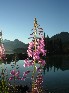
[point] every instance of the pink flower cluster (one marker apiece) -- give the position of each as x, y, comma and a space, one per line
37, 85
35, 49
35, 53
16, 75
39, 80
28, 63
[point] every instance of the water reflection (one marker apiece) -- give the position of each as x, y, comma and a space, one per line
56, 63
55, 73
15, 86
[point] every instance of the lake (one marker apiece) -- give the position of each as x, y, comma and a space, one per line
55, 73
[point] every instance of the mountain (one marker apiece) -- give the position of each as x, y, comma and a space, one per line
58, 44
6, 40
20, 47
10, 46
64, 36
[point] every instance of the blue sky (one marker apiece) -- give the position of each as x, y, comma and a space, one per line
17, 16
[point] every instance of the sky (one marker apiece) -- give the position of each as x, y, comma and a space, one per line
17, 17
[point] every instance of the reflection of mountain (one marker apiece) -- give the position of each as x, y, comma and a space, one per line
57, 62
10, 46
20, 50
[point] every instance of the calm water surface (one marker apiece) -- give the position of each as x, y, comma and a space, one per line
55, 73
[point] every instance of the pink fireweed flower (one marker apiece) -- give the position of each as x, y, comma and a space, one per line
15, 74
12, 72
37, 83
31, 44
23, 78
36, 55
35, 50
11, 78
30, 53
39, 80
27, 63
19, 78
26, 60
25, 73
42, 62
40, 47
31, 63
43, 51
42, 41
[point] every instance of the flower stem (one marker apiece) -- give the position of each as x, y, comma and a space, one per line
35, 30
35, 26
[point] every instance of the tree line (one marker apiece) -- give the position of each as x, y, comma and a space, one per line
56, 46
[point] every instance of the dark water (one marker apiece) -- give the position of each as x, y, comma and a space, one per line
55, 73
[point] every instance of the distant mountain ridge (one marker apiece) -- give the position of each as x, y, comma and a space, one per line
10, 46
20, 47
64, 36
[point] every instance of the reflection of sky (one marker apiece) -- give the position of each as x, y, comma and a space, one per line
21, 69
58, 79
52, 80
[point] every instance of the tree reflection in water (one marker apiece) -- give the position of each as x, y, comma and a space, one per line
53, 62
58, 63
5, 85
